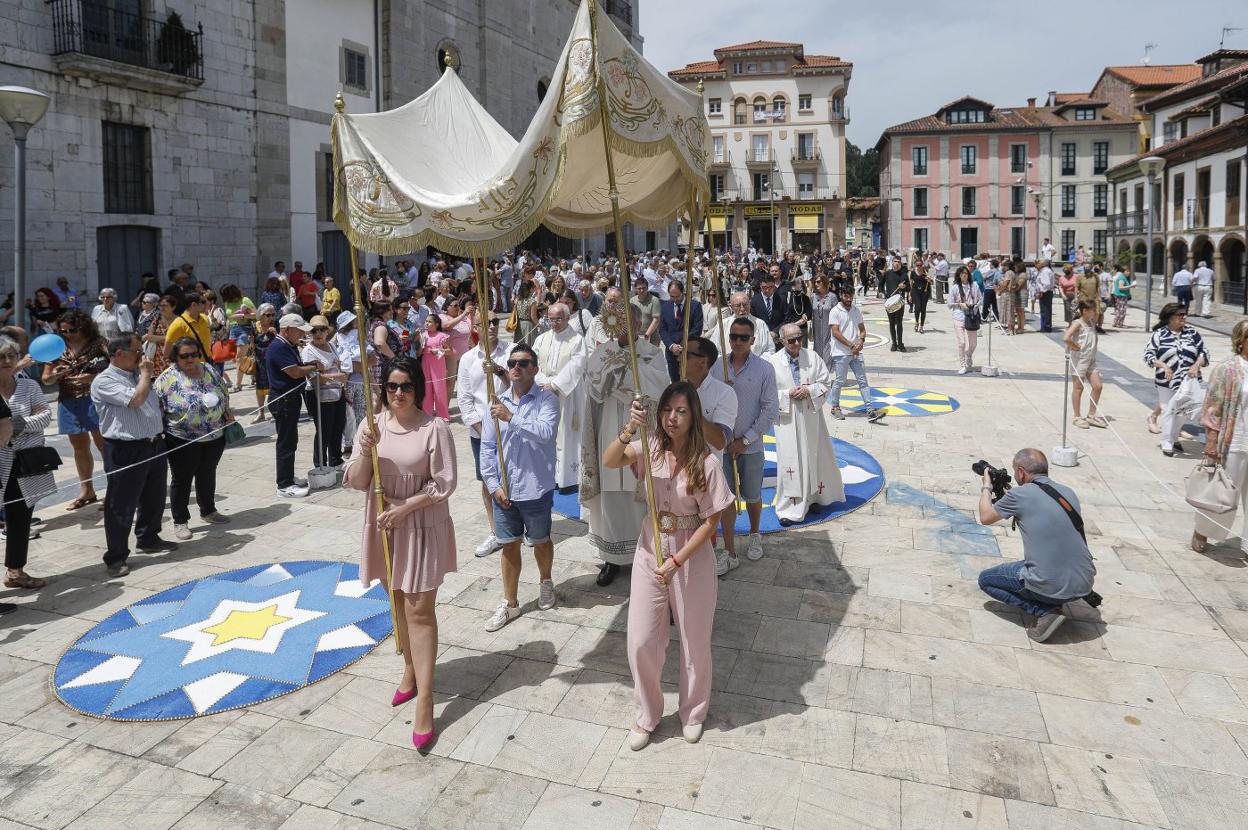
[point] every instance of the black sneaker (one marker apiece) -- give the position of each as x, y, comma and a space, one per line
875, 415
118, 570
606, 574
156, 545
901, 347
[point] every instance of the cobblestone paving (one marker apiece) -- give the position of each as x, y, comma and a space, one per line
861, 679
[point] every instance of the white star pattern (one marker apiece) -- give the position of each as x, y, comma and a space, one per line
201, 641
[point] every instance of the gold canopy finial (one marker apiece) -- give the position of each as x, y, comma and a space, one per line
448, 59
701, 86
339, 104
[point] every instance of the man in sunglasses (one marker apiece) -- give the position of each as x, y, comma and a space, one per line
527, 418
473, 397
719, 402
806, 471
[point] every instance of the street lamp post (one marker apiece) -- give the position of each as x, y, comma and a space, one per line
21, 108
771, 195
1150, 166
1037, 197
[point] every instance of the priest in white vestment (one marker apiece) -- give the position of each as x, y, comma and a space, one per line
806, 471
613, 501
561, 363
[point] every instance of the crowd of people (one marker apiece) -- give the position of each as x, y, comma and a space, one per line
662, 375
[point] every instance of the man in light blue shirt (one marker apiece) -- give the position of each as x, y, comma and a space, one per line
754, 381
528, 418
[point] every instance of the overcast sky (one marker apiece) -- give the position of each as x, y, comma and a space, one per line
901, 49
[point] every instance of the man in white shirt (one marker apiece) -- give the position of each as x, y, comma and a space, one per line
560, 365
940, 274
806, 471
1202, 290
719, 402
1047, 251
473, 398
652, 276
1182, 282
1045, 283
848, 332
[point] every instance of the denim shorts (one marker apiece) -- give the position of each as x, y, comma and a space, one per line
76, 415
750, 470
242, 335
529, 520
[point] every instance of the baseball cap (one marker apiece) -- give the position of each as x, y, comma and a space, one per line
293, 321
345, 318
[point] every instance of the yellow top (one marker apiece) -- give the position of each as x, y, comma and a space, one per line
184, 326
331, 301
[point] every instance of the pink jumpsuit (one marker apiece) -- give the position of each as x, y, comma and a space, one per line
434, 367
690, 595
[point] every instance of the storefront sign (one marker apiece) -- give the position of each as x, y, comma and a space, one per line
758, 210
807, 210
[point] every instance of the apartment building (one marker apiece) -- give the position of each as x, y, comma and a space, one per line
1199, 129
777, 166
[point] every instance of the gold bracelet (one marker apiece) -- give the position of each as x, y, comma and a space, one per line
625, 438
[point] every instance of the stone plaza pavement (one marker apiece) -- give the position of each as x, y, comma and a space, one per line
861, 678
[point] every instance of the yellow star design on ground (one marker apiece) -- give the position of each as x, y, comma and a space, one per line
246, 625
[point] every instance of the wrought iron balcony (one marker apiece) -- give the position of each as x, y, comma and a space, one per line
1136, 221
808, 156
760, 156
90, 33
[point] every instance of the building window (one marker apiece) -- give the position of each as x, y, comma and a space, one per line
355, 69
751, 68
969, 156
805, 185
918, 159
1215, 115
1233, 186
717, 147
920, 201
1177, 188
1169, 131
966, 116
1085, 113
1018, 200
760, 111
1100, 157
804, 102
1068, 159
127, 168
968, 201
715, 106
766, 66
920, 239
1068, 244
760, 149
1100, 200
736, 68
717, 187
738, 111
1018, 158
1099, 246
1017, 237
779, 109
1068, 201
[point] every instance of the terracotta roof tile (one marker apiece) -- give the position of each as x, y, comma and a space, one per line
1070, 97
825, 60
1007, 118
698, 68
759, 44
1173, 147
1161, 75
1200, 85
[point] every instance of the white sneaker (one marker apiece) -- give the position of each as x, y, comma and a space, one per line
490, 545
502, 615
294, 491
724, 562
961, 370
692, 732
546, 596
182, 532
637, 740
754, 551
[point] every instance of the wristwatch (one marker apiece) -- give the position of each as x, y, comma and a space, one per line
745, 442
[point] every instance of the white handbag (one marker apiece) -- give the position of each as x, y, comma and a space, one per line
1211, 489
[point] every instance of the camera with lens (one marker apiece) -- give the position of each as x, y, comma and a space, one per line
999, 478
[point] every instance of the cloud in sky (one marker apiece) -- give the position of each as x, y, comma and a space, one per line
910, 57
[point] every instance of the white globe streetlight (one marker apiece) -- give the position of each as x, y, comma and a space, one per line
21, 109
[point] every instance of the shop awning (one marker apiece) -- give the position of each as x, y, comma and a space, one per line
807, 224
718, 223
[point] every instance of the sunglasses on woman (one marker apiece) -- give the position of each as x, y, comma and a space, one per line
407, 387
188, 355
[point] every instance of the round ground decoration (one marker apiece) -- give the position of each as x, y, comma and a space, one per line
862, 474
224, 641
913, 403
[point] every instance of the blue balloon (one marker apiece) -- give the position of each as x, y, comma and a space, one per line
47, 347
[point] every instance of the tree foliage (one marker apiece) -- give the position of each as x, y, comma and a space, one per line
862, 175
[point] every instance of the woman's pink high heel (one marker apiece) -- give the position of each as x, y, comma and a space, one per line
423, 741
402, 697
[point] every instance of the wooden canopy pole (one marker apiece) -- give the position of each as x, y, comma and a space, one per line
614, 194
724, 357
379, 495
487, 366
693, 228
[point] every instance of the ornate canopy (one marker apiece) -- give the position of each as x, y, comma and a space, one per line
441, 171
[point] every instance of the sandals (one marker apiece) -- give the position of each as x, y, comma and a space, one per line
1098, 421
82, 501
1199, 543
1082, 423
1153, 427
23, 580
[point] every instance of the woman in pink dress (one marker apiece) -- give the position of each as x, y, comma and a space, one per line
690, 487
458, 324
433, 356
416, 458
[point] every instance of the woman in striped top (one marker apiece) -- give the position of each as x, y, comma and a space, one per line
31, 415
1174, 351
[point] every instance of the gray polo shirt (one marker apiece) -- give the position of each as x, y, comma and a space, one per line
1057, 562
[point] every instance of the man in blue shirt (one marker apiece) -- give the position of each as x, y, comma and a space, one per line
286, 382
528, 418
754, 381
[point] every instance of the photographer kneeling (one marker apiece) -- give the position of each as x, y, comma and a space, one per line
1057, 566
